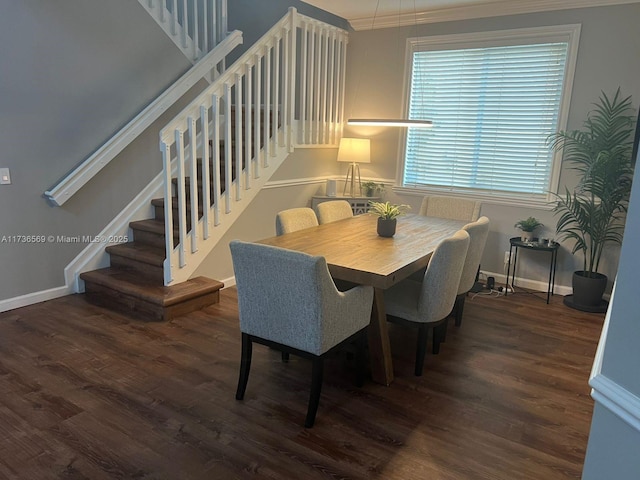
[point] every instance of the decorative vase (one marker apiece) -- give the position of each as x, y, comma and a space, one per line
386, 227
588, 291
526, 236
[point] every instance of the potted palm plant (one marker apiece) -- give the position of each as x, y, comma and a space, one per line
387, 214
593, 214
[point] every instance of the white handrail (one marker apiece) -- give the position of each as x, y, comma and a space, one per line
195, 26
247, 117
84, 172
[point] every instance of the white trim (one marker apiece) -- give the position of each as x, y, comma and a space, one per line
494, 199
536, 285
614, 397
294, 182
229, 282
35, 297
73, 182
94, 256
617, 399
597, 361
479, 10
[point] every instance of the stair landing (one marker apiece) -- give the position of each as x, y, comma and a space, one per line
126, 291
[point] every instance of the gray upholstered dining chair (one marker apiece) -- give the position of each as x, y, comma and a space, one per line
450, 207
294, 219
428, 303
333, 210
478, 232
288, 301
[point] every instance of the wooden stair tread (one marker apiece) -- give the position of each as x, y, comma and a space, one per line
132, 284
140, 252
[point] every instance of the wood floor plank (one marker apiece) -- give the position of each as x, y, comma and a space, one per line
86, 393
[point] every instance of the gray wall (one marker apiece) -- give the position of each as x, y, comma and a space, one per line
73, 73
608, 58
74, 79
374, 88
264, 14
614, 441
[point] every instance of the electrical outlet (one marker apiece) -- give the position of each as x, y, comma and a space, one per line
506, 257
5, 176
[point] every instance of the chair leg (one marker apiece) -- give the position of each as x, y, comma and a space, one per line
421, 348
316, 387
458, 308
439, 334
285, 357
245, 366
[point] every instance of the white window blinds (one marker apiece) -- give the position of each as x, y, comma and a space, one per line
492, 110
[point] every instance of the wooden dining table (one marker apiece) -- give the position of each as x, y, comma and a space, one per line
356, 253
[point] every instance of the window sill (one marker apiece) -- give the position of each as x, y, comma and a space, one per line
542, 202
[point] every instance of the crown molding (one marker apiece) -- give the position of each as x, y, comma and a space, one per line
481, 10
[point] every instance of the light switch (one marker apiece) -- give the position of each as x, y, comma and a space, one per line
5, 176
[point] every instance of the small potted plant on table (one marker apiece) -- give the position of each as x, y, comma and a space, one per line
387, 214
370, 189
528, 226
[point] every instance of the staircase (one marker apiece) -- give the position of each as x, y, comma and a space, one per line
151, 276
133, 284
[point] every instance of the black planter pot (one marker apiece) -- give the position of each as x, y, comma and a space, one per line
587, 292
386, 227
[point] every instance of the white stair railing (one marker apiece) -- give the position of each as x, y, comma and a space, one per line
286, 90
195, 26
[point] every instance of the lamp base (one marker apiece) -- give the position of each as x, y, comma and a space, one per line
354, 169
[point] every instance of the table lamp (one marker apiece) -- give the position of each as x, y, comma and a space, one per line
354, 151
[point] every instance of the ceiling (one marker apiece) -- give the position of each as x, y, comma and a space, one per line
370, 14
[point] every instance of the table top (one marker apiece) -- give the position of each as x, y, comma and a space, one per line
533, 244
355, 252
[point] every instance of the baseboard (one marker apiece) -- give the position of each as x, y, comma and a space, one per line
537, 285
35, 297
229, 282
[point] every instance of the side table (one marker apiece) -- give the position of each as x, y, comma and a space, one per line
517, 243
358, 204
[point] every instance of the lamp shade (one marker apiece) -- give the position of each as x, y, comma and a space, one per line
354, 150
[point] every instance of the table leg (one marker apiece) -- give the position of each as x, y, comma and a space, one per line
506, 286
549, 287
513, 275
379, 346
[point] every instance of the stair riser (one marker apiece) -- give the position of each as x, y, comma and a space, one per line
159, 215
151, 239
151, 272
139, 309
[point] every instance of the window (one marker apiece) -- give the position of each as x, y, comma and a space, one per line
493, 98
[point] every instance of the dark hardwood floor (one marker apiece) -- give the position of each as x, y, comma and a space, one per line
88, 394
